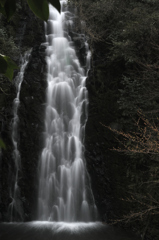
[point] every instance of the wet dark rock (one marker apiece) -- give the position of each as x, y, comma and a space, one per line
29, 34
106, 168
31, 114
79, 42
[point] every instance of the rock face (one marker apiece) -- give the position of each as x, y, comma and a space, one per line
101, 162
107, 168
6, 155
29, 34
31, 114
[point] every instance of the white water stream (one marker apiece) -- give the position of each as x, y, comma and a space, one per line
64, 184
15, 207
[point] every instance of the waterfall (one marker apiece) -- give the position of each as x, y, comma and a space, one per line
15, 207
63, 180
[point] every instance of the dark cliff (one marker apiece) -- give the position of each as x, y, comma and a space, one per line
28, 34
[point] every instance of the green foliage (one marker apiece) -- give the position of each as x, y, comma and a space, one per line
3, 64
2, 2
40, 8
8, 7
124, 37
2, 10
8, 50
9, 66
128, 33
2, 144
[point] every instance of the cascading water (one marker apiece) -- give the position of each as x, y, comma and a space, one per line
63, 195
15, 207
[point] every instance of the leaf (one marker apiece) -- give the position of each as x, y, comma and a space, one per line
10, 8
7, 66
56, 4
3, 64
10, 67
2, 2
40, 8
2, 144
2, 10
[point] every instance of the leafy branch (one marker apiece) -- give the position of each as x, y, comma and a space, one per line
144, 140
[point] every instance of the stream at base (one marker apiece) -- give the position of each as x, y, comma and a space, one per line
62, 231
